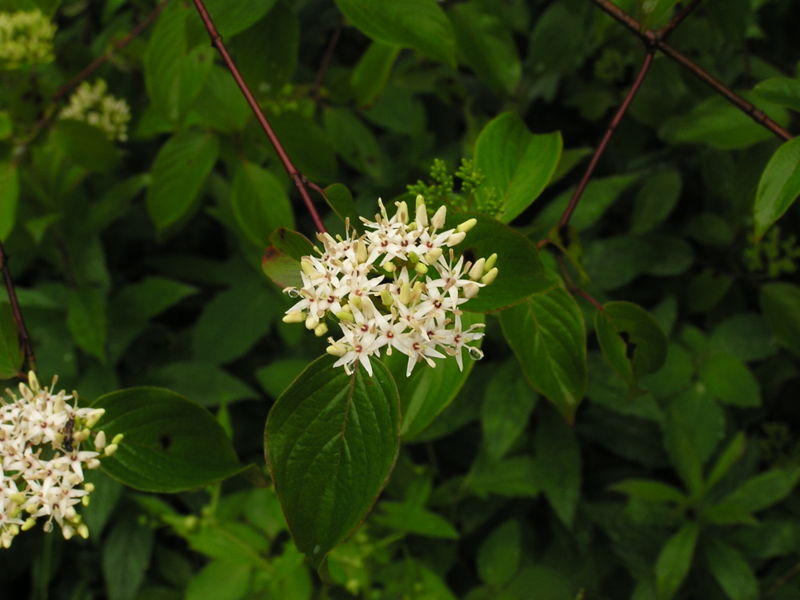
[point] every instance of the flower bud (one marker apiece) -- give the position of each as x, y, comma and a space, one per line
402, 212
439, 217
311, 322
467, 225
421, 268
336, 350
490, 262
476, 272
320, 330
490, 276
431, 256
456, 239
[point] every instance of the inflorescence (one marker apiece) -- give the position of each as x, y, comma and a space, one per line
398, 286
26, 38
41, 435
91, 104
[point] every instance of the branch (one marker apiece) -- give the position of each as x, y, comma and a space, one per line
216, 40
655, 40
326, 60
601, 147
22, 331
118, 45
678, 19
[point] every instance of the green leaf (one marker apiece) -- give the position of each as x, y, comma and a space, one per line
728, 380
417, 24
331, 441
9, 197
655, 13
762, 491
11, 357
87, 321
171, 444
411, 518
778, 187
234, 16
675, 560
291, 243
282, 270
719, 124
354, 142
695, 425
631, 339
598, 196
520, 269
105, 497
307, 145
340, 199
650, 490
126, 556
276, 376
516, 163
506, 408
233, 322
220, 580
179, 171
266, 53
514, 477
731, 570
205, 383
173, 75
85, 145
548, 337
372, 71
558, 459
486, 45
780, 303
726, 460
783, 91
745, 336
220, 104
428, 391
499, 554
260, 203
657, 197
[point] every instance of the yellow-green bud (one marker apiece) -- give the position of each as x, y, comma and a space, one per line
311, 322
456, 238
390, 267
307, 267
421, 268
467, 225
386, 298
490, 262
345, 315
439, 217
490, 276
336, 350
320, 330
476, 272
405, 293
431, 256
296, 316
422, 212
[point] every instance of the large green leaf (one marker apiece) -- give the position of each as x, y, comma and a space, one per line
87, 320
558, 459
11, 357
780, 303
9, 197
417, 24
372, 71
506, 408
730, 381
520, 269
548, 337
260, 203
779, 186
233, 16
173, 74
631, 339
731, 570
486, 45
499, 554
331, 441
719, 124
428, 391
783, 91
516, 163
126, 555
171, 444
675, 560
179, 171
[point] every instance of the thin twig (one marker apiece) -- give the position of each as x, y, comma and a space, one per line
601, 147
326, 60
118, 45
678, 19
22, 331
216, 40
782, 580
574, 289
655, 39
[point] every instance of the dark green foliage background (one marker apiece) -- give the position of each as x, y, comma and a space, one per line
139, 264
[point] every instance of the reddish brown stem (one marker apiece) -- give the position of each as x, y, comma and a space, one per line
586, 296
601, 147
326, 60
118, 45
678, 18
655, 40
216, 40
22, 331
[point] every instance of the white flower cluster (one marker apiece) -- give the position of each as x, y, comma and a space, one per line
42, 462
26, 38
90, 104
398, 286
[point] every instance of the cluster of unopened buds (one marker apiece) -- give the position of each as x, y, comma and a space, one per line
41, 438
91, 104
398, 286
26, 38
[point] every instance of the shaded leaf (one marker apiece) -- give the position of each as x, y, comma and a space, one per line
778, 187
674, 561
